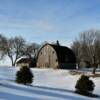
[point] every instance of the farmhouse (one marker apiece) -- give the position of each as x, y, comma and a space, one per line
26, 62
56, 56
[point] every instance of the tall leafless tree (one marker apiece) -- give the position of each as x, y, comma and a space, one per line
15, 48
76, 48
3, 42
31, 50
89, 48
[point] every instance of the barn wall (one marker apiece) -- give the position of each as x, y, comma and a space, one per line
23, 64
47, 58
67, 65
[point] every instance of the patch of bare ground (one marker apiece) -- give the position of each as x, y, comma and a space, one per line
76, 72
94, 75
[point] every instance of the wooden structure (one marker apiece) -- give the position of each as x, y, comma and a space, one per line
26, 62
56, 56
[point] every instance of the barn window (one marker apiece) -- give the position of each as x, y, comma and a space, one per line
53, 52
56, 60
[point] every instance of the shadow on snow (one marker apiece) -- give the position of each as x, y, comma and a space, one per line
40, 91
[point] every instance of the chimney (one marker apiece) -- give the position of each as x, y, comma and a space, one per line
58, 43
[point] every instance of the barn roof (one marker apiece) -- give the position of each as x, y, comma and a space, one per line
64, 54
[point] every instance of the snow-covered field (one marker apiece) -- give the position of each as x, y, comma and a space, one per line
48, 84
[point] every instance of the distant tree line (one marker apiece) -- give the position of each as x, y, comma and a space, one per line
16, 47
87, 48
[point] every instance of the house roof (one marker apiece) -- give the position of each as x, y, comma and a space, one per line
24, 60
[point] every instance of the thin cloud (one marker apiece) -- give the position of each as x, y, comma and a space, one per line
57, 19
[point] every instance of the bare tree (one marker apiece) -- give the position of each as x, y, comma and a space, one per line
76, 48
31, 50
89, 48
3, 42
16, 47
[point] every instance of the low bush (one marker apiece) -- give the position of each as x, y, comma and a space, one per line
84, 86
24, 75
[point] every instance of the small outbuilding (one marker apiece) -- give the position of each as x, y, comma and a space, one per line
56, 56
30, 62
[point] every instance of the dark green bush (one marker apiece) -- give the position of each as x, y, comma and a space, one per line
84, 85
24, 75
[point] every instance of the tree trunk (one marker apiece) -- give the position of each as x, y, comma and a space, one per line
94, 70
11, 61
13, 64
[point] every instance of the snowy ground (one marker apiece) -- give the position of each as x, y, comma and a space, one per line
48, 84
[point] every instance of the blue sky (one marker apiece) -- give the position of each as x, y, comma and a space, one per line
48, 20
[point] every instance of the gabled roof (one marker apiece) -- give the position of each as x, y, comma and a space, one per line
24, 60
